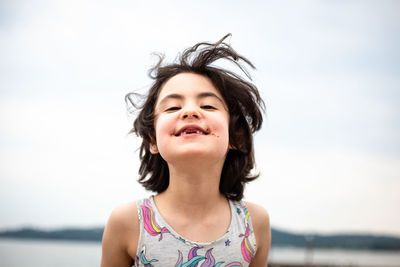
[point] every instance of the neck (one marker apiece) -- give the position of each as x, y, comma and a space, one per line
192, 190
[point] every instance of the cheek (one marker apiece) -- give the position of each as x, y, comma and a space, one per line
163, 126
226, 134
222, 129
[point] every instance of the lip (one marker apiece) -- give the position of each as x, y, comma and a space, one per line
192, 127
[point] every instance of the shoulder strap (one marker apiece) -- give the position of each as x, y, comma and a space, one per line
245, 226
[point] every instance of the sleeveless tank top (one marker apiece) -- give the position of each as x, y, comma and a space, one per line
160, 245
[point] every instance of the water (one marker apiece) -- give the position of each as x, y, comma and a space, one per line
42, 253
339, 257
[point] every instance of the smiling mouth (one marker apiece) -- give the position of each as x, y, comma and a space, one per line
193, 131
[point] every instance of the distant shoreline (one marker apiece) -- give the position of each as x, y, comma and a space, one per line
68, 234
279, 238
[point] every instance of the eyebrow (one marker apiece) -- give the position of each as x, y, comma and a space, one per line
200, 95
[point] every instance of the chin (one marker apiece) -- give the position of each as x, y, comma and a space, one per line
194, 155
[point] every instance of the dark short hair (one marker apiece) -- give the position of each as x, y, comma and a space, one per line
245, 110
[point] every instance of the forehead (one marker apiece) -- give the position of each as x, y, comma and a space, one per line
188, 85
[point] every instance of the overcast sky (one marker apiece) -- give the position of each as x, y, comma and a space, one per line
329, 72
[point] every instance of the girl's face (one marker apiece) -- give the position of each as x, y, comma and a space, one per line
191, 120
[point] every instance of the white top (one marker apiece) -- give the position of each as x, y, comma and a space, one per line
160, 245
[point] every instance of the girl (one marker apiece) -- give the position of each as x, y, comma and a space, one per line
197, 153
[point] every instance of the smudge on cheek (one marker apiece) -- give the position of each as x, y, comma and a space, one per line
215, 135
211, 132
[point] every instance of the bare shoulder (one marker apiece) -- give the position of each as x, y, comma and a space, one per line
120, 236
125, 215
260, 220
262, 230
258, 214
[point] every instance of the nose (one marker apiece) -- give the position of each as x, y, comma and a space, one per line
190, 114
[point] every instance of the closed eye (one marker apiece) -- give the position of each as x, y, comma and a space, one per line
173, 108
207, 107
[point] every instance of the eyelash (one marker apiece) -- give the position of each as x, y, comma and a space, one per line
172, 108
208, 107
178, 108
